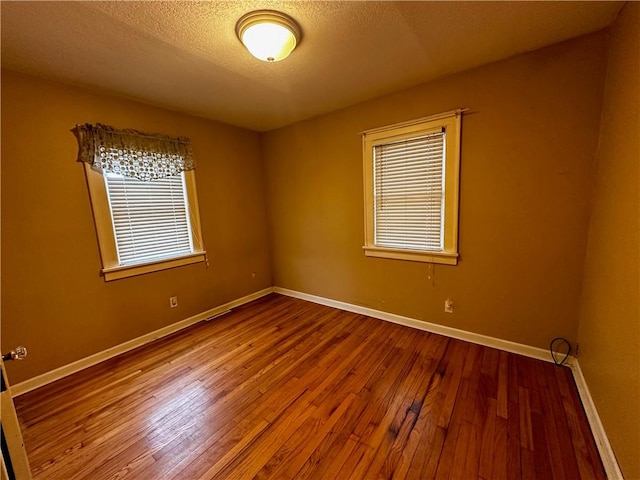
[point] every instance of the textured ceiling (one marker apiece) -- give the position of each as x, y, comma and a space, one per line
184, 55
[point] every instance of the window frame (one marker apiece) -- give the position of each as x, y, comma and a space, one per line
451, 123
111, 269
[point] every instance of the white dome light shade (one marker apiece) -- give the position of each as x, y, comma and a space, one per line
268, 35
268, 41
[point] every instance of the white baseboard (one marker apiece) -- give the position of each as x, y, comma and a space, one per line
506, 345
607, 455
61, 372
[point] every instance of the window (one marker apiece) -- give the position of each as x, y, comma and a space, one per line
411, 178
143, 195
150, 219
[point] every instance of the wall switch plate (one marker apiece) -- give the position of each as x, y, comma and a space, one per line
173, 302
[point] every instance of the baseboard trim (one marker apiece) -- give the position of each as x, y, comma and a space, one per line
66, 370
506, 345
607, 455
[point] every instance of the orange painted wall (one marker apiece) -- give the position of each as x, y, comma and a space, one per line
53, 298
609, 333
528, 147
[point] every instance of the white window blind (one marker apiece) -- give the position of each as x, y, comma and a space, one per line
409, 193
150, 219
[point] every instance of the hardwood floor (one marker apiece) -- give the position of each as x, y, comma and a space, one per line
282, 388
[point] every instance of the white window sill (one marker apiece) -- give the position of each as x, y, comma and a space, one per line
116, 273
445, 258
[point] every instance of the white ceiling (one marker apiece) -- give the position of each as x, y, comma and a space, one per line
184, 55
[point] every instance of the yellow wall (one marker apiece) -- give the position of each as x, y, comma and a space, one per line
53, 299
609, 333
527, 155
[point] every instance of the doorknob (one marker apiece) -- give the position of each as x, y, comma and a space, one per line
19, 353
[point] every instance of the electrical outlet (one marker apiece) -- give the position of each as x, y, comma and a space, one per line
448, 306
173, 302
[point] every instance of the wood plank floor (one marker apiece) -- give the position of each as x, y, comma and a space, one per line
282, 388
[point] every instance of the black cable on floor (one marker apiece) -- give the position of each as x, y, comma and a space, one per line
553, 353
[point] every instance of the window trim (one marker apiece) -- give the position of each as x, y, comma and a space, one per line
111, 270
451, 122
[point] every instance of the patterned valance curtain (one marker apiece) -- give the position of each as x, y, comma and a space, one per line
133, 154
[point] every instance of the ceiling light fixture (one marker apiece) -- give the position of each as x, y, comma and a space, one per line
268, 35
